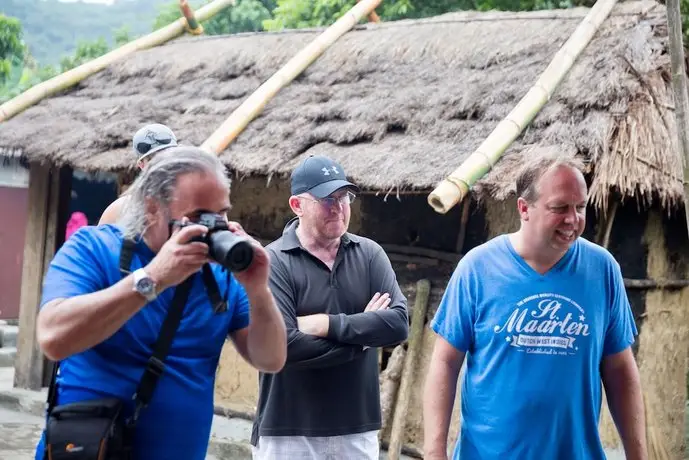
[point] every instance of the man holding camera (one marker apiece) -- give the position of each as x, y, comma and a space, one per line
340, 299
110, 292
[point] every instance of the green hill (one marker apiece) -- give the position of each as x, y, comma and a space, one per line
52, 29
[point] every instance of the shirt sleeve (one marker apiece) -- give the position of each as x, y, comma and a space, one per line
240, 301
78, 267
304, 351
380, 328
454, 320
621, 328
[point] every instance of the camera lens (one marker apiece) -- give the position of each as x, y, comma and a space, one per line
239, 257
231, 251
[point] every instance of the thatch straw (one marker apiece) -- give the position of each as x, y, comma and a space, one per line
254, 104
394, 102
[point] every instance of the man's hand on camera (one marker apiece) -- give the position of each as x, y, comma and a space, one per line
256, 276
178, 258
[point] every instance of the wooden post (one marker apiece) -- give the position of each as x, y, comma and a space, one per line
605, 225
389, 385
461, 236
29, 365
681, 97
423, 289
41, 239
680, 91
60, 195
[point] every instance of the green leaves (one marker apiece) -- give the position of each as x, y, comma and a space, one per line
11, 46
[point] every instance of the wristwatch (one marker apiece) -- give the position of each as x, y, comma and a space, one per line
144, 284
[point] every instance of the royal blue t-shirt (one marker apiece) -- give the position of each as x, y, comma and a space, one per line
177, 422
534, 343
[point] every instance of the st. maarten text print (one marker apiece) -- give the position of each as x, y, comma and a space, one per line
545, 323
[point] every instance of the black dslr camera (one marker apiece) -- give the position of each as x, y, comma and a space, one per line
231, 251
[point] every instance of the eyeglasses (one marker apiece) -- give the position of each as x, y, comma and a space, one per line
331, 201
144, 147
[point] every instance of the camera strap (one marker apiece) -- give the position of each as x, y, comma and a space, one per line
156, 363
126, 255
217, 302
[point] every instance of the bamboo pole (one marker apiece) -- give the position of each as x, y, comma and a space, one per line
193, 26
681, 94
251, 107
453, 188
372, 16
71, 77
423, 289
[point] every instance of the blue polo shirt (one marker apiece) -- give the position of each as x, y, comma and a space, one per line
177, 423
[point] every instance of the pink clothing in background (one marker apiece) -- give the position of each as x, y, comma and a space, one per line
76, 220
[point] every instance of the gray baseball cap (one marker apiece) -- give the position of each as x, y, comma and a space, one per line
152, 138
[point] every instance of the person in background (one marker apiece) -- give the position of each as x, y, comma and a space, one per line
147, 141
76, 221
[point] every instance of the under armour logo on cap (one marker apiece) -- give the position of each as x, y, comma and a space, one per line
320, 176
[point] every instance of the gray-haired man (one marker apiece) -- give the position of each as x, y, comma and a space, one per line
103, 324
340, 299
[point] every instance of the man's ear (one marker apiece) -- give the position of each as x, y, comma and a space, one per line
295, 205
523, 208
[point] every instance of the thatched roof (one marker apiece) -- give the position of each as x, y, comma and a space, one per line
399, 104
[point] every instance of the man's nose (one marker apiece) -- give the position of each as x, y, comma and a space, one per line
571, 216
337, 207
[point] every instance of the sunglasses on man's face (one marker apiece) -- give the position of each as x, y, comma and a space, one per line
144, 147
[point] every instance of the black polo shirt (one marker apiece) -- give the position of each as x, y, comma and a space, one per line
329, 386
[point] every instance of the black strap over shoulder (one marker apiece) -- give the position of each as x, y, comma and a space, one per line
126, 256
156, 363
52, 390
217, 302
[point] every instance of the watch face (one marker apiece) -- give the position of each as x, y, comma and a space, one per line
144, 285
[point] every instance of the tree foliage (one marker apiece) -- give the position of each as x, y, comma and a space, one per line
245, 16
11, 46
